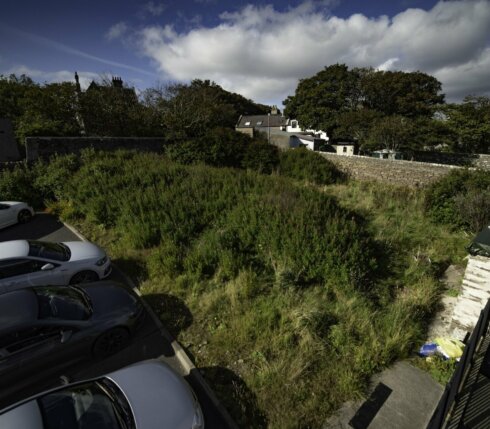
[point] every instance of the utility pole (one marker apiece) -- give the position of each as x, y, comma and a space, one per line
268, 128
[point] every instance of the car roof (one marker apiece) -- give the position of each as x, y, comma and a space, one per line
17, 307
14, 249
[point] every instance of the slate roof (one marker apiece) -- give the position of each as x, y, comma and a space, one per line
261, 121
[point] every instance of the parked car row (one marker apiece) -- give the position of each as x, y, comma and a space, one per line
55, 311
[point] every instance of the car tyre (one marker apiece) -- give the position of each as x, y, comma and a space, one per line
24, 216
84, 277
111, 342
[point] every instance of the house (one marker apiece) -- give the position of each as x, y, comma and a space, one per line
308, 141
387, 154
345, 147
251, 124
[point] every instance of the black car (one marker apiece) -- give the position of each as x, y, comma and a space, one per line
45, 327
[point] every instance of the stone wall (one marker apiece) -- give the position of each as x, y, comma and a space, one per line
44, 147
407, 173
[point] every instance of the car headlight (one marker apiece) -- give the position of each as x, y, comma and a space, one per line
101, 261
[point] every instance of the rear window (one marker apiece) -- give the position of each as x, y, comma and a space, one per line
53, 251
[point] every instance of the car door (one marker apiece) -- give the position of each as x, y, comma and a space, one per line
21, 272
5, 215
24, 351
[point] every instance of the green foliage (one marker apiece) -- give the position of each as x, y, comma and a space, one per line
17, 185
260, 156
461, 199
470, 122
302, 164
189, 111
440, 369
244, 268
322, 101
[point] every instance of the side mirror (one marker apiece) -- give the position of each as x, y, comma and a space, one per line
47, 267
66, 335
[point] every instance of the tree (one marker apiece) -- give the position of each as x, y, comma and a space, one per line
339, 100
413, 94
391, 132
470, 122
356, 124
113, 109
189, 111
320, 99
48, 110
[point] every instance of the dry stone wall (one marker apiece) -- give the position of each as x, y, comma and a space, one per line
407, 173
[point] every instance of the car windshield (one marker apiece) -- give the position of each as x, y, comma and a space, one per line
87, 406
53, 251
67, 303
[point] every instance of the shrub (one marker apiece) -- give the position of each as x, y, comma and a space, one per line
460, 199
302, 164
219, 147
261, 157
18, 185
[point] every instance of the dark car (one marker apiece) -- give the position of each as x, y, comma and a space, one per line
52, 327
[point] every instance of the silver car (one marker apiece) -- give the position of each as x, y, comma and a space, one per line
147, 395
12, 212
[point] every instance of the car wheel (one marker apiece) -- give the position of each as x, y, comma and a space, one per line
24, 216
84, 277
111, 342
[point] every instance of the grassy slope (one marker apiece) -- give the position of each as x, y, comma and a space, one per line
282, 356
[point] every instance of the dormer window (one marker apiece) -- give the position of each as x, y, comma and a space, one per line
247, 123
259, 122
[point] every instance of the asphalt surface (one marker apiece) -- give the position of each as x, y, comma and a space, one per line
148, 343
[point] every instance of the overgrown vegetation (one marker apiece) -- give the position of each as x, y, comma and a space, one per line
289, 297
461, 199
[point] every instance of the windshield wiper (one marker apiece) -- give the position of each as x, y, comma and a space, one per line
121, 407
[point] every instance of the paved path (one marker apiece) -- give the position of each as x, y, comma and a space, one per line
149, 343
413, 398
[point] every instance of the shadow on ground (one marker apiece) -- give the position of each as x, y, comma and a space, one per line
132, 267
236, 397
171, 310
42, 226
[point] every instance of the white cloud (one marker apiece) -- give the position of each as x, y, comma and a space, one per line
262, 52
116, 31
53, 76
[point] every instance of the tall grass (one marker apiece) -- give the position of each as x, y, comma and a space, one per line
300, 294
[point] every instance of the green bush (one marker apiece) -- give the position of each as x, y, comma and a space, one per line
261, 157
219, 147
461, 199
18, 185
302, 164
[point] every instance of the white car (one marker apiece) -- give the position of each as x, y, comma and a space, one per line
12, 212
146, 395
31, 263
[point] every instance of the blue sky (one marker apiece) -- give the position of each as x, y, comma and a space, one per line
258, 49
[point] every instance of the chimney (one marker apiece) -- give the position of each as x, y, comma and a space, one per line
117, 82
274, 110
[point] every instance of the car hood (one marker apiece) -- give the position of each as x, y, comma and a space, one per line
107, 299
159, 398
81, 250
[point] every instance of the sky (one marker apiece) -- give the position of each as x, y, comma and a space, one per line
258, 49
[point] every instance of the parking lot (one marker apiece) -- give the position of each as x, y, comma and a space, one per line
150, 342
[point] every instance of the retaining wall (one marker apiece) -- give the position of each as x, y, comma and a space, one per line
407, 173
44, 147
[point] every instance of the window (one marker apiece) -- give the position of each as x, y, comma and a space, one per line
259, 122
18, 267
4, 207
68, 303
345, 149
294, 124
247, 123
87, 406
54, 251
